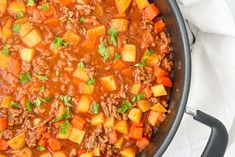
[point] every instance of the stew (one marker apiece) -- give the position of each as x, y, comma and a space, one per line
81, 77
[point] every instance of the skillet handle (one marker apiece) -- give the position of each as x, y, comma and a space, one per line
217, 143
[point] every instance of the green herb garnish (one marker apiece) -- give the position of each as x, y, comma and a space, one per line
81, 65
14, 104
82, 19
66, 99
29, 106
91, 81
103, 50
148, 52
95, 107
42, 77
45, 7
64, 127
126, 105
142, 63
16, 28
41, 90
138, 97
25, 77
5, 50
41, 148
30, 2
57, 42
117, 56
113, 36
20, 15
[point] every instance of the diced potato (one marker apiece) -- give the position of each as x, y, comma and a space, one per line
129, 53
122, 5
109, 122
86, 89
121, 25
7, 30
84, 104
142, 3
108, 83
76, 135
135, 115
128, 152
59, 154
16, 7
4, 60
3, 155
97, 119
119, 143
159, 90
143, 105
27, 54
64, 136
96, 32
32, 38
71, 38
135, 88
17, 142
81, 74
88, 154
98, 12
26, 152
121, 126
25, 29
36, 121
96, 152
83, 1
153, 60
6, 102
158, 108
46, 155
3, 6
153, 118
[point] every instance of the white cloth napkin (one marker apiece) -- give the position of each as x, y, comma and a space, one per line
213, 74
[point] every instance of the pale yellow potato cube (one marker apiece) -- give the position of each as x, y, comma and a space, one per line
27, 54
84, 104
6, 102
121, 25
97, 119
135, 88
153, 118
108, 83
129, 53
3, 61
17, 142
96, 151
72, 38
158, 108
46, 155
76, 135
25, 29
32, 38
16, 7
135, 115
109, 122
142, 3
122, 5
159, 90
88, 154
81, 74
121, 126
128, 152
119, 143
143, 105
59, 154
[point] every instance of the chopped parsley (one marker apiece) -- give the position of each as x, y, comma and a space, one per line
5, 50
142, 63
25, 77
126, 105
16, 28
41, 148
91, 81
30, 2
103, 50
113, 36
82, 19
117, 56
138, 97
38, 102
95, 107
45, 7
42, 77
29, 106
64, 127
149, 52
81, 65
57, 42
41, 90
66, 99
14, 104
20, 15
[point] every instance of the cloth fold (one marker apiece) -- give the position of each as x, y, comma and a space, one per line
213, 75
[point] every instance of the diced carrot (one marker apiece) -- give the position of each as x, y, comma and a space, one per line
90, 43
3, 145
78, 122
119, 64
137, 124
96, 32
3, 123
136, 132
151, 11
40, 130
127, 72
159, 72
14, 66
48, 12
66, 2
142, 143
81, 151
52, 22
166, 81
54, 144
159, 26
147, 92
113, 137
41, 47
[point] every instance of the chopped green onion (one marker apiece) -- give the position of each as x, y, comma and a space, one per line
126, 105
41, 90
82, 19
42, 77
117, 56
41, 148
148, 52
142, 63
20, 15
95, 108
57, 42
25, 77
103, 50
5, 50
138, 97
64, 127
113, 36
29, 106
14, 104
81, 65
66, 99
30, 2
91, 81
45, 7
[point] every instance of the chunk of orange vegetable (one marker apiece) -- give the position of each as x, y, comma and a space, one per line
113, 137
153, 60
143, 105
158, 108
32, 38
143, 143
52, 22
3, 7
121, 25
153, 118
159, 72
108, 83
98, 12
129, 53
7, 30
81, 74
147, 92
109, 122
16, 7
159, 90
76, 135
97, 119
166, 81
3, 123
84, 104
122, 5
66, 2
159, 26
84, 1
6, 102
3, 145
49, 11
87, 154
135, 115
4, 61
96, 32
78, 122
119, 65
54, 144
136, 132
119, 143
135, 88
86, 89
151, 11
121, 126
142, 3
72, 38
128, 152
